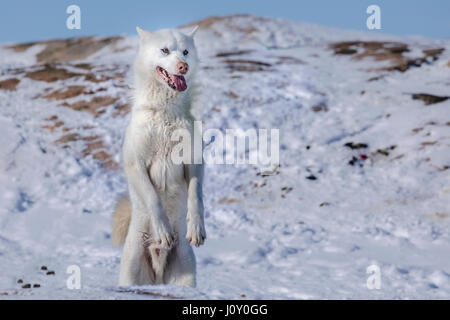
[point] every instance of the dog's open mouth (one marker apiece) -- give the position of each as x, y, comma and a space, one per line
174, 81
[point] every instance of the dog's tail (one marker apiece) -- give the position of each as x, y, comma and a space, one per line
121, 221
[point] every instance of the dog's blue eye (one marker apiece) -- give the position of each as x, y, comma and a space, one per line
165, 51
185, 52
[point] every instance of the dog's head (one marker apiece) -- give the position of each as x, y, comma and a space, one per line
168, 56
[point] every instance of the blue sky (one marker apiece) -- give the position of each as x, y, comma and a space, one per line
30, 20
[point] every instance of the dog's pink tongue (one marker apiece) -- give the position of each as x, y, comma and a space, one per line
180, 83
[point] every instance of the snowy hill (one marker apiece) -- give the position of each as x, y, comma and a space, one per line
364, 174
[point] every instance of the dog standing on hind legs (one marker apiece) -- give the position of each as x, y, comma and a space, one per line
163, 215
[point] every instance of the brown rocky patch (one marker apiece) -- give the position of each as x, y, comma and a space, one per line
98, 77
52, 118
443, 168
354, 146
383, 151
428, 98
229, 200
320, 107
21, 47
375, 78
65, 93
377, 49
122, 110
106, 160
385, 50
209, 22
229, 21
345, 50
231, 94
52, 127
9, 84
289, 60
96, 148
67, 49
84, 66
70, 92
93, 106
428, 143
433, 53
233, 53
51, 73
70, 137
246, 65
205, 23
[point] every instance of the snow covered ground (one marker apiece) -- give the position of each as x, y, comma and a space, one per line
363, 177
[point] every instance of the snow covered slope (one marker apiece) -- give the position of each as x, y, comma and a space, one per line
363, 178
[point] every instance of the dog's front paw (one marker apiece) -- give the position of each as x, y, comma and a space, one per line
196, 233
162, 235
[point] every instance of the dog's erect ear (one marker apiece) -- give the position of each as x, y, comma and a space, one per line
142, 33
192, 33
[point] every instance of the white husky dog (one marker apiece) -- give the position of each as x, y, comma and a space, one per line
164, 213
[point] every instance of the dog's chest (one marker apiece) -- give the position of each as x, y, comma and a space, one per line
166, 175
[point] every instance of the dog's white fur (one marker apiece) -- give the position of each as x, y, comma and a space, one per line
164, 213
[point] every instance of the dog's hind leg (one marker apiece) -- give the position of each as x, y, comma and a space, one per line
156, 257
134, 266
180, 268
